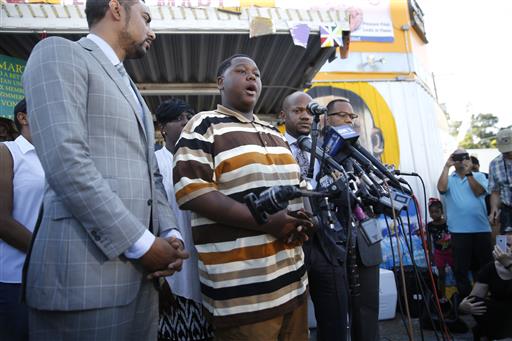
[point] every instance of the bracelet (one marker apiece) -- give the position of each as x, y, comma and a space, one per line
469, 174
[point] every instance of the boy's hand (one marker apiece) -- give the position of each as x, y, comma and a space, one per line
302, 233
283, 224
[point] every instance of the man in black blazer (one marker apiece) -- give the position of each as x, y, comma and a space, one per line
325, 251
364, 308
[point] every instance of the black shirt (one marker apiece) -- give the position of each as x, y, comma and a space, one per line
499, 289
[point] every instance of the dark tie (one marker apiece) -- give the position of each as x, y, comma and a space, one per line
303, 161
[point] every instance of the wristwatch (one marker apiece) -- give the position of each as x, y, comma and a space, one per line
469, 174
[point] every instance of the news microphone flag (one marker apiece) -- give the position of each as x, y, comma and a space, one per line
331, 35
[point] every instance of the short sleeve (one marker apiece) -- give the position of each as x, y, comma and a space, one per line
485, 274
493, 183
448, 185
193, 167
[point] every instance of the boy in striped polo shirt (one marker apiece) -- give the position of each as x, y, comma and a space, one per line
252, 277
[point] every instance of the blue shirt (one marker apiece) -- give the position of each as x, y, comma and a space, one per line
465, 213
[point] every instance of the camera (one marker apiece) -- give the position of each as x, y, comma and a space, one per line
460, 157
270, 201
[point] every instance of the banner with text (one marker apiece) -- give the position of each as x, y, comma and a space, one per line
11, 90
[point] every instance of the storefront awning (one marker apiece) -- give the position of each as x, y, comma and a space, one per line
190, 44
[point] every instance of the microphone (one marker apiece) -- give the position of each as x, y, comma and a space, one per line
316, 109
304, 142
399, 172
371, 183
345, 137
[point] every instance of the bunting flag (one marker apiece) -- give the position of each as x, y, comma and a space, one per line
346, 45
261, 26
300, 34
331, 35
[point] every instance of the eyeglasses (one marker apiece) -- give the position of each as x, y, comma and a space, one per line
343, 114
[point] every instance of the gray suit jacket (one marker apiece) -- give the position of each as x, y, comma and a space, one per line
103, 186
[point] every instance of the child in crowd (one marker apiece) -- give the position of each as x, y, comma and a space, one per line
441, 239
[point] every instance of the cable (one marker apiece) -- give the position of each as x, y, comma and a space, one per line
322, 163
446, 333
420, 282
404, 289
394, 267
445, 330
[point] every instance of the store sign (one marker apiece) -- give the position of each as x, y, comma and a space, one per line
11, 90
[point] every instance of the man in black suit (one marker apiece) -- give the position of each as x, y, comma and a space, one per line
364, 308
325, 251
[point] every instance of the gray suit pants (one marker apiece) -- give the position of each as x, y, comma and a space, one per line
135, 321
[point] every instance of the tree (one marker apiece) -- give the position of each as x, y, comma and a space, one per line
482, 132
453, 126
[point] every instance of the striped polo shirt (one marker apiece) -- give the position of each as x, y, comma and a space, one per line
246, 276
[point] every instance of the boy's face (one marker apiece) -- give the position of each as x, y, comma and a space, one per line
240, 85
435, 212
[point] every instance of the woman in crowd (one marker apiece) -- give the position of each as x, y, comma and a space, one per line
181, 315
21, 195
490, 301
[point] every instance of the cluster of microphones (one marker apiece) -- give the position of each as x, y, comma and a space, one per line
349, 173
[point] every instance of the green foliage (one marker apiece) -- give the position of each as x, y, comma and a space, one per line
482, 133
454, 127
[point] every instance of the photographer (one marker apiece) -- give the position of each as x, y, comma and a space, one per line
491, 297
464, 197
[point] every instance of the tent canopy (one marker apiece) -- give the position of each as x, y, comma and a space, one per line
190, 44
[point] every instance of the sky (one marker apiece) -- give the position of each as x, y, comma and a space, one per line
470, 50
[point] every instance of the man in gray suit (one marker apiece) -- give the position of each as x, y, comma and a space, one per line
95, 254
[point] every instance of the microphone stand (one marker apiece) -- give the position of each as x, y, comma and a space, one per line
314, 139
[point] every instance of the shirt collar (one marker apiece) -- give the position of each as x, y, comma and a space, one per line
291, 140
105, 48
239, 116
24, 145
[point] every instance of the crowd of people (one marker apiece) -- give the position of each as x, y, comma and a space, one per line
114, 241
462, 236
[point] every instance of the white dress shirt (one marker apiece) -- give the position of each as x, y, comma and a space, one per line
28, 188
186, 282
294, 147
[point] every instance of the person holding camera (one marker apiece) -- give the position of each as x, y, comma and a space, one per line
491, 297
464, 197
